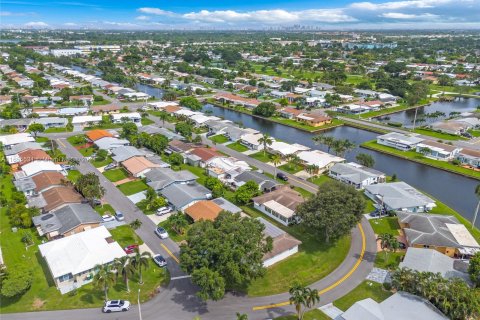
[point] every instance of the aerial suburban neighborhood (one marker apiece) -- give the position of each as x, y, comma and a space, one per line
225, 165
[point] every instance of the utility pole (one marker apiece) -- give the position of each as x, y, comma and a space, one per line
139, 307
475, 215
415, 119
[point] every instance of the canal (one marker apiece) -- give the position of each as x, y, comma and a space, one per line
152, 91
454, 190
406, 117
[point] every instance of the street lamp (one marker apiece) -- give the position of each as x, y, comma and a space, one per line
139, 307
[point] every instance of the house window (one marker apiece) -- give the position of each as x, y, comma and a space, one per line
65, 277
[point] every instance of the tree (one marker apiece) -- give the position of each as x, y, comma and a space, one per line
388, 242
129, 129
36, 128
163, 115
265, 140
303, 297
333, 211
283, 102
178, 222
474, 269
265, 109
185, 129
17, 281
101, 155
365, 159
135, 224
139, 261
175, 159
89, 186
191, 103
276, 160
104, 278
246, 192
328, 141
224, 253
125, 268
424, 151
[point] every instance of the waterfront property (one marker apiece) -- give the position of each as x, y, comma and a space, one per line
469, 157
399, 141
399, 196
72, 260
322, 160
356, 175
440, 232
438, 151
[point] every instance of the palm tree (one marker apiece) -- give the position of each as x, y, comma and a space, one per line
150, 195
135, 224
312, 169
386, 241
139, 261
477, 193
328, 141
424, 151
104, 278
276, 160
265, 140
294, 161
125, 268
312, 297
178, 222
303, 297
163, 116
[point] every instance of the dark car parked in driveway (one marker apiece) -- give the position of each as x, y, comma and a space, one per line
282, 176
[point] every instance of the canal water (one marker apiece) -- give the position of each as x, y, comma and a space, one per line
97, 73
454, 190
406, 117
152, 91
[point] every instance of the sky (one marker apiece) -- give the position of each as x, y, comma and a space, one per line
235, 14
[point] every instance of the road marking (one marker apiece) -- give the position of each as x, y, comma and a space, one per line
60, 141
169, 252
181, 277
345, 277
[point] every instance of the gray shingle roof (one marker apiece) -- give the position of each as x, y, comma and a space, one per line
24, 184
227, 205
125, 152
151, 129
21, 147
355, 174
180, 195
262, 180
159, 178
399, 195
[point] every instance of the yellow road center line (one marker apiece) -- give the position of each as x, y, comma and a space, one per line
169, 252
60, 141
336, 284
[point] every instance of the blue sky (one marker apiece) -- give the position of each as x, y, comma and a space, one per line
229, 14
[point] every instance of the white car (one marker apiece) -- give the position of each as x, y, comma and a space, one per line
116, 306
159, 260
163, 210
162, 233
108, 218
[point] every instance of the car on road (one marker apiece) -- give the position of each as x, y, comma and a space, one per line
67, 167
131, 248
145, 108
161, 232
282, 176
163, 210
210, 133
107, 218
119, 216
110, 166
116, 306
159, 260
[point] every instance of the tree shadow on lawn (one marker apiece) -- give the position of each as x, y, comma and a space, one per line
46, 271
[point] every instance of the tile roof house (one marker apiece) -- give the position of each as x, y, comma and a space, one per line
181, 196
59, 197
30, 155
400, 306
284, 245
205, 154
139, 166
66, 221
264, 183
290, 113
356, 175
160, 178
203, 210
46, 180
279, 204
440, 232
313, 120
399, 196
72, 260
94, 135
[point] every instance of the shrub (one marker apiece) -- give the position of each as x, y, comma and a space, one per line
17, 282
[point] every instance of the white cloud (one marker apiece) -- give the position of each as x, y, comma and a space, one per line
142, 18
400, 4
156, 11
36, 24
398, 15
120, 24
70, 24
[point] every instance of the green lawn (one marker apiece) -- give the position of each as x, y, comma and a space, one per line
220, 139
73, 175
306, 194
474, 133
417, 157
237, 146
314, 314
321, 179
73, 140
87, 152
125, 236
290, 168
315, 260
41, 139
367, 289
54, 130
391, 261
105, 209
116, 174
262, 156
438, 135
172, 233
146, 121
385, 225
103, 163
132, 187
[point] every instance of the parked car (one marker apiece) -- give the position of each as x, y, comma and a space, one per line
131, 248
163, 210
162, 233
146, 108
282, 176
110, 166
467, 135
159, 260
67, 167
402, 245
210, 133
119, 216
107, 218
116, 306
97, 202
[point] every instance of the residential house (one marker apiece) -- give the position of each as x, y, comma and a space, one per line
399, 196
290, 113
438, 151
19, 124
313, 120
47, 180
322, 160
283, 244
52, 122
252, 141
131, 117
72, 260
178, 146
399, 141
152, 129
123, 153
58, 197
86, 120
399, 306
160, 178
138, 166
237, 179
9, 140
30, 155
32, 168
279, 204
285, 149
66, 221
109, 143
451, 127
79, 111
12, 153
202, 156
82, 98
226, 205
159, 105
469, 157
105, 109
5, 99
181, 196
238, 100
94, 135
356, 175
203, 210
218, 167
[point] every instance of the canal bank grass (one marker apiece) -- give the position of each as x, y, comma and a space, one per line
314, 260
43, 295
366, 289
438, 135
416, 157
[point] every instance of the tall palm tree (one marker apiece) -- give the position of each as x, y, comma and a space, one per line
294, 161
265, 140
163, 116
104, 278
477, 193
276, 160
139, 261
386, 240
312, 297
312, 169
298, 298
125, 268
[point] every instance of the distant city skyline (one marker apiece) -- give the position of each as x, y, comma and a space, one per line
247, 14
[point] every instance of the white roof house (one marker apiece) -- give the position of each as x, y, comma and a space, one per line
319, 158
200, 119
13, 139
86, 119
132, 116
79, 253
161, 104
399, 140
37, 166
251, 140
109, 143
285, 149
186, 113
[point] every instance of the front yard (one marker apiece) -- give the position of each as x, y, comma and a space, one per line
115, 175
262, 156
291, 168
125, 236
385, 225
73, 175
237, 146
367, 289
220, 139
132, 187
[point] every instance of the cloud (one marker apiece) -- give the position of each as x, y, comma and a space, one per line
70, 24
36, 24
394, 5
155, 11
142, 18
405, 16
11, 14
120, 24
